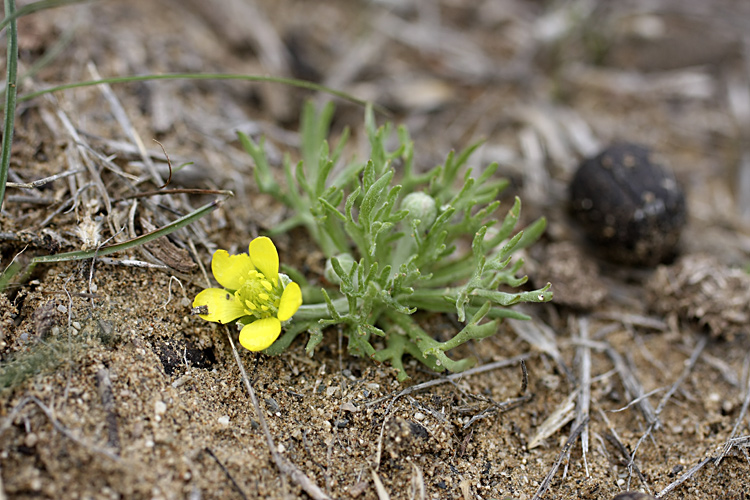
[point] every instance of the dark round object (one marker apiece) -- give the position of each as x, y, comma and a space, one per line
631, 207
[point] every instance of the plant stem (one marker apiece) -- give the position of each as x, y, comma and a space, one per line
320, 311
10, 97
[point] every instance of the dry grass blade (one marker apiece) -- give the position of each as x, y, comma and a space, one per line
564, 413
431, 383
542, 338
686, 84
104, 384
41, 182
57, 425
379, 488
584, 395
285, 466
615, 440
745, 404
506, 405
685, 372
632, 385
456, 376
122, 118
80, 145
418, 489
563, 453
498, 408
633, 319
226, 472
687, 475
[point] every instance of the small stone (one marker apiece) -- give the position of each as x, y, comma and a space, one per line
30, 440
630, 206
358, 489
160, 407
224, 420
633, 495
349, 406
418, 430
419, 415
76, 325
36, 484
61, 308
342, 423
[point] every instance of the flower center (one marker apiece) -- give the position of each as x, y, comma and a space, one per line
259, 296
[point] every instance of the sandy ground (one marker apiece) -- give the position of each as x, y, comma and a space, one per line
111, 389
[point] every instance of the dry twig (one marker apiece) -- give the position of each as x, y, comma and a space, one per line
41, 182
108, 402
563, 453
656, 423
745, 404
584, 395
285, 466
57, 425
687, 475
425, 385
226, 472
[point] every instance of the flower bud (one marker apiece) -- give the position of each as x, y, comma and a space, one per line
422, 207
346, 261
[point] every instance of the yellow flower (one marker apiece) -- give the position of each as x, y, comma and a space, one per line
254, 293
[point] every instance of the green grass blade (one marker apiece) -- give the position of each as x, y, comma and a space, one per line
15, 268
10, 98
204, 76
140, 240
10, 17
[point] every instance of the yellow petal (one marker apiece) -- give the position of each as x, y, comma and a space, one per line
231, 270
222, 306
291, 299
265, 257
260, 334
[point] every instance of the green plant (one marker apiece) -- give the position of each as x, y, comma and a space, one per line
393, 248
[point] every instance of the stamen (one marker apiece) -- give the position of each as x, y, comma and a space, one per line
260, 295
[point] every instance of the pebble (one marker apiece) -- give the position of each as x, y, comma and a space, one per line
224, 420
160, 407
30, 440
342, 423
633, 495
349, 406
